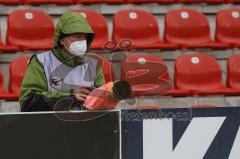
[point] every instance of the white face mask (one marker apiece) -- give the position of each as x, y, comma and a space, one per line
78, 48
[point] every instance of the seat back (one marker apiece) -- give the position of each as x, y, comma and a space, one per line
138, 26
197, 72
106, 67
233, 74
2, 89
186, 26
17, 70
147, 74
30, 30
227, 26
99, 25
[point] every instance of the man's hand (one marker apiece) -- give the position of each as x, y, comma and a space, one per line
82, 93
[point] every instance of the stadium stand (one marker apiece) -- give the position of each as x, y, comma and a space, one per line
30, 30
189, 29
135, 25
147, 42
140, 71
227, 27
199, 74
100, 28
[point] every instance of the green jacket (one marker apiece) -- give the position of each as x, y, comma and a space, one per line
35, 81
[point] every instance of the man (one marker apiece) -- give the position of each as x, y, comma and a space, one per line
64, 71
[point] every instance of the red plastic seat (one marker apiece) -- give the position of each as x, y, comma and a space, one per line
100, 1
227, 27
3, 92
140, 28
150, 1
30, 30
189, 29
60, 2
4, 95
7, 48
147, 74
107, 71
199, 74
17, 70
201, 1
99, 26
10, 2
233, 74
105, 66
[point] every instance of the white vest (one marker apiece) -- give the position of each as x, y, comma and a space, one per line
63, 77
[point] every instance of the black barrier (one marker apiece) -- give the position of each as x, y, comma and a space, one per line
85, 135
181, 133
199, 133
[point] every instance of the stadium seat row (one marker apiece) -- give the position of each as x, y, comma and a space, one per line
17, 70
66, 2
194, 74
132, 30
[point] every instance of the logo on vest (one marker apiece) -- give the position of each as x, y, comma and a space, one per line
56, 82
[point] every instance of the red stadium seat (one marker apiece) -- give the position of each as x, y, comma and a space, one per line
10, 2
30, 30
4, 95
107, 71
60, 2
7, 48
189, 29
17, 70
150, 1
199, 74
147, 74
3, 92
233, 74
106, 67
227, 27
100, 28
201, 1
140, 28
100, 1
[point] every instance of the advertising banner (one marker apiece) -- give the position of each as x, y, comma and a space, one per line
199, 133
